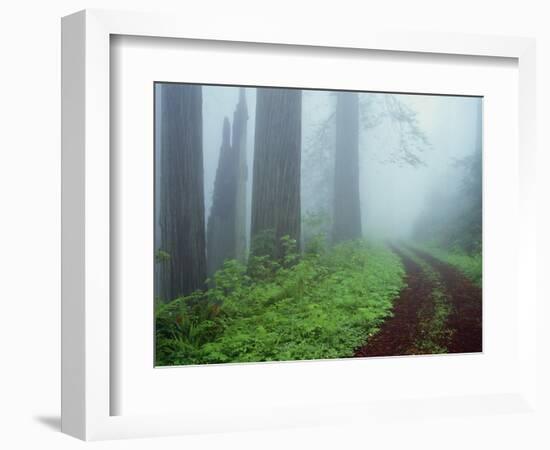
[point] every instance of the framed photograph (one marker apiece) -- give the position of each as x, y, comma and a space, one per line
266, 229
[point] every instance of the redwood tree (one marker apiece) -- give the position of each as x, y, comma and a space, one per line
240, 119
346, 206
181, 202
276, 177
220, 236
226, 231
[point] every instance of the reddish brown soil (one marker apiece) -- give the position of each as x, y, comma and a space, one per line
466, 316
398, 334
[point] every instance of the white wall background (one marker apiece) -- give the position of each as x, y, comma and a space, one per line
30, 222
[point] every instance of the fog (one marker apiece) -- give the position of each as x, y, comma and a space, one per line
283, 215
394, 191
394, 195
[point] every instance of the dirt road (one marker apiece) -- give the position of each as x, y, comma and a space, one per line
438, 312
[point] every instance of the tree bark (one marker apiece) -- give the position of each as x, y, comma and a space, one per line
276, 177
181, 213
346, 206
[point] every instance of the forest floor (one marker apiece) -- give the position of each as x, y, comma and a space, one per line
439, 311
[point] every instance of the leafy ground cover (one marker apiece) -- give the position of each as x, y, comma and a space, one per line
324, 304
471, 265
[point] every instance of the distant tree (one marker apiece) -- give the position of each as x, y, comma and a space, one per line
220, 233
240, 120
411, 140
226, 230
277, 164
324, 157
347, 207
181, 251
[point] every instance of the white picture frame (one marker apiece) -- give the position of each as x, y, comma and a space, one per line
86, 220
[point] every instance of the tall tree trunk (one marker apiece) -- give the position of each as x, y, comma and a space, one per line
160, 273
181, 214
240, 119
346, 207
277, 161
221, 235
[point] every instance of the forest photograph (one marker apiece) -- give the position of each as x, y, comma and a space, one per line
305, 224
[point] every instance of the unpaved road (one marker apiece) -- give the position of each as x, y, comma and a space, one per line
401, 334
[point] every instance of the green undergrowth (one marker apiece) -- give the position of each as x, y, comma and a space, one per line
323, 304
471, 265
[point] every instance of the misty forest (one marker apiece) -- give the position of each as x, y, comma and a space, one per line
295, 224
